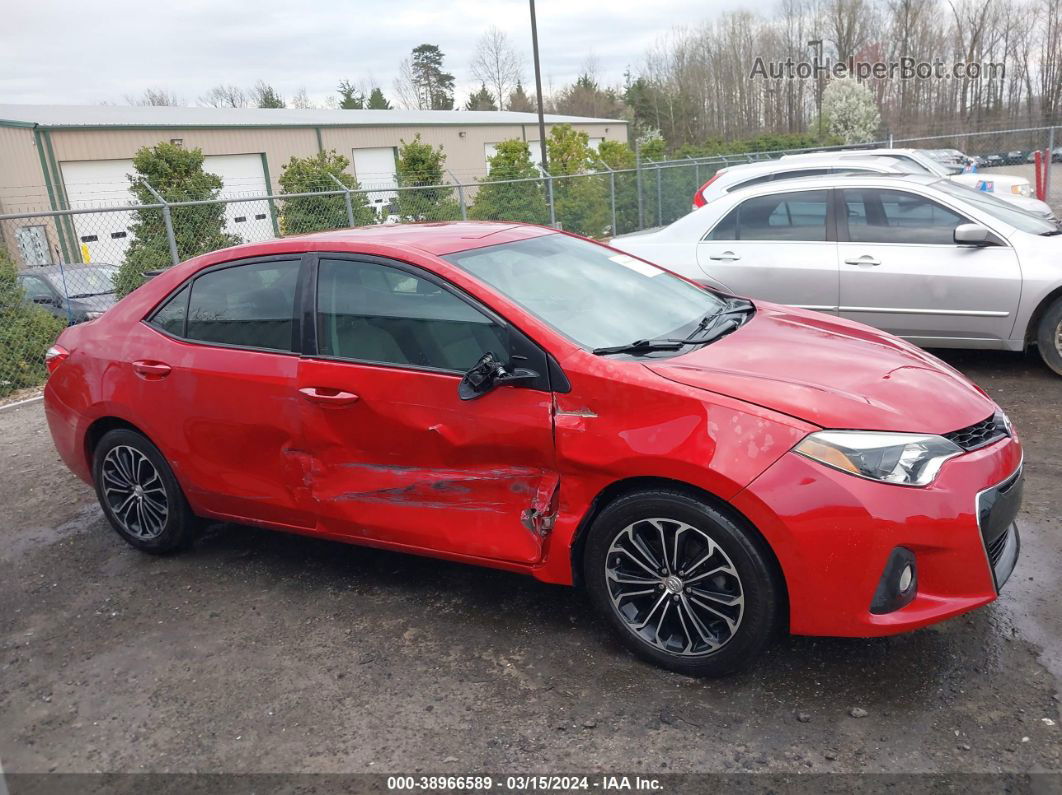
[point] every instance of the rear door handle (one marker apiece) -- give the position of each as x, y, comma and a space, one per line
866, 259
727, 256
328, 396
151, 370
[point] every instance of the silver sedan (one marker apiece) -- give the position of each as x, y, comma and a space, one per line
920, 257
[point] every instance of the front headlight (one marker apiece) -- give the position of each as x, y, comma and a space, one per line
92, 315
908, 459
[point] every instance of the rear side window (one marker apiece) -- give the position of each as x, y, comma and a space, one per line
797, 216
250, 305
892, 216
171, 315
376, 313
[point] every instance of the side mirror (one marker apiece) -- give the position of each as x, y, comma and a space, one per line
971, 235
488, 373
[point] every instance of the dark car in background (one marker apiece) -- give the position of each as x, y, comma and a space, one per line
75, 292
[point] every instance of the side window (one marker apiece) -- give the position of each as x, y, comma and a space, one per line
170, 316
36, 287
376, 313
784, 216
727, 228
246, 305
892, 216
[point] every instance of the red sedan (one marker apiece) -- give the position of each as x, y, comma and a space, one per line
711, 469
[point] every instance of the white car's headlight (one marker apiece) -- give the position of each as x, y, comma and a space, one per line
908, 459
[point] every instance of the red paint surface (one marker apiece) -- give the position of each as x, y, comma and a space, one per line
400, 462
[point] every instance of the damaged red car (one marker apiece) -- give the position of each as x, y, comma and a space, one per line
711, 469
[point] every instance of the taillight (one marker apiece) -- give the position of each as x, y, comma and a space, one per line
55, 356
698, 197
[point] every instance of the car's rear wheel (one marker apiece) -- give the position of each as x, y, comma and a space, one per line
681, 582
1049, 336
139, 494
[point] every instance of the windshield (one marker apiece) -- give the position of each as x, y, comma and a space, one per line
81, 282
1004, 211
593, 295
916, 166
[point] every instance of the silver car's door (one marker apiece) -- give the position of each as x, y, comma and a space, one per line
901, 270
779, 247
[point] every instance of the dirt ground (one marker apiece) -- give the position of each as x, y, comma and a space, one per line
264, 652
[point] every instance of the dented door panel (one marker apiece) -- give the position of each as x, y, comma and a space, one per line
409, 463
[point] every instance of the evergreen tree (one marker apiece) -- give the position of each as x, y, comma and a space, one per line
377, 100
434, 86
511, 201
177, 174
421, 164
481, 100
349, 97
26, 331
519, 101
315, 213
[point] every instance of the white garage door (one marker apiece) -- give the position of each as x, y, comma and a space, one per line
374, 169
104, 237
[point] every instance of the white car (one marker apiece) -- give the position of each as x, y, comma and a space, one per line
745, 175
1015, 190
914, 255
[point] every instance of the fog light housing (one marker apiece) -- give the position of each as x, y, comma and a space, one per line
898, 584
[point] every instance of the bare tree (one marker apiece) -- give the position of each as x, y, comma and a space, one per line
301, 100
222, 96
154, 96
496, 63
406, 88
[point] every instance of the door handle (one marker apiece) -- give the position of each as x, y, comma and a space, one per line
727, 256
866, 259
327, 396
151, 370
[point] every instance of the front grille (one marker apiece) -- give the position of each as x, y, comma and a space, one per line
980, 434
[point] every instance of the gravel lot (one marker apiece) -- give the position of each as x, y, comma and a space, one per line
263, 652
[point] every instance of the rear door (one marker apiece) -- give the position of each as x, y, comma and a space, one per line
390, 451
218, 369
901, 270
778, 247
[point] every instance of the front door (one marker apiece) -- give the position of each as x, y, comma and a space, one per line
392, 453
902, 271
776, 247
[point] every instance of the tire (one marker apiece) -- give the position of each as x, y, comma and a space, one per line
139, 494
689, 637
1049, 336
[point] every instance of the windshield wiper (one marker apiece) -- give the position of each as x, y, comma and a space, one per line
710, 328
642, 346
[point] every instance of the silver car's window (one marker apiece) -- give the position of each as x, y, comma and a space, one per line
593, 295
797, 216
892, 216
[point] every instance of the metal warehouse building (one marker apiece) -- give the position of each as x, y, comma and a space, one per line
72, 157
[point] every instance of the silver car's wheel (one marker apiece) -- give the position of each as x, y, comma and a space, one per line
134, 492
1058, 338
674, 587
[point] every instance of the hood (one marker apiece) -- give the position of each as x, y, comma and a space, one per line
833, 373
975, 178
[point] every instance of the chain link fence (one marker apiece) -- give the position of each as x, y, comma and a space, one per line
65, 267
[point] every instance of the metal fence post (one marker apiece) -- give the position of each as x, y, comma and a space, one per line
638, 183
659, 197
460, 195
549, 191
346, 198
168, 221
612, 194
696, 170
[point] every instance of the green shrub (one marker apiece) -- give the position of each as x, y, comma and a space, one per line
511, 201
26, 331
316, 213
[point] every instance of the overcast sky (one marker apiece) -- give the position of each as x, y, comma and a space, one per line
92, 51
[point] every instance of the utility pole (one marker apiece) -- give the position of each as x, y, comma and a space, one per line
538, 89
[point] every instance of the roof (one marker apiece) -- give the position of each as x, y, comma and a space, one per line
815, 160
94, 116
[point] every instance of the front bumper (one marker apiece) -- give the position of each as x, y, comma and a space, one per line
833, 535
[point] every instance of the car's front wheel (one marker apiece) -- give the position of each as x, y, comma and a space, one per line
1049, 336
683, 583
139, 494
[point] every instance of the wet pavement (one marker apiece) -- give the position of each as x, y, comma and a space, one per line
265, 652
